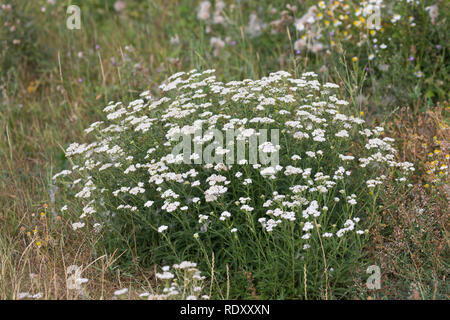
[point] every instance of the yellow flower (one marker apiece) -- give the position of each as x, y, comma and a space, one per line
38, 243
427, 185
354, 59
361, 113
31, 89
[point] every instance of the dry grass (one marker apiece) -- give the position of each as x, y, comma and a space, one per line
37, 261
411, 239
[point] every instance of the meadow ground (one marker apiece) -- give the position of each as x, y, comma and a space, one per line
55, 81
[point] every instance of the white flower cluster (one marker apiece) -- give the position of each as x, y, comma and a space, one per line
130, 167
183, 281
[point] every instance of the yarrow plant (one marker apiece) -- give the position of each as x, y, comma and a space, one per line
296, 228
